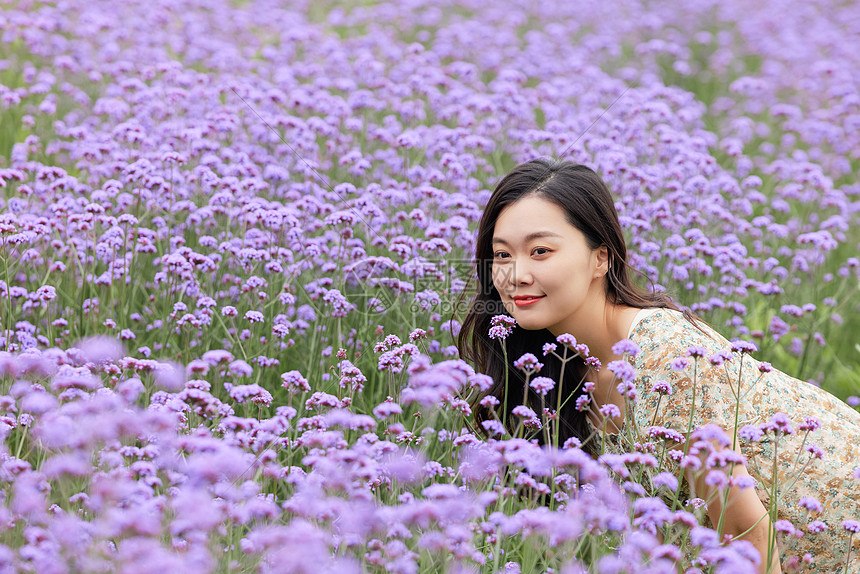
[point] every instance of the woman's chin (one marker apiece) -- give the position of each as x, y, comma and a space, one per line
529, 323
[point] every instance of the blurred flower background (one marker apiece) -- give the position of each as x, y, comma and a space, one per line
236, 244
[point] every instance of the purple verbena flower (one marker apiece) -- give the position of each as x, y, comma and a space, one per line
481, 381
610, 410
294, 382
320, 400
666, 434
386, 409
254, 317
779, 424
100, 349
217, 356
583, 403
542, 385
593, 362
809, 424
253, 392
622, 370
751, 433
524, 412
679, 364
494, 427
501, 326
390, 361
695, 351
817, 526
625, 347
665, 479
169, 376
567, 340
662, 387
852, 526
815, 451
742, 481
720, 357
489, 401
351, 376
785, 527
741, 346
810, 503
240, 368
528, 363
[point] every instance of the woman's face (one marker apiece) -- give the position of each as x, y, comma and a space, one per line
536, 252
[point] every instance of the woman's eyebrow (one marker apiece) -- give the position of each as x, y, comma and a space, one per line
530, 237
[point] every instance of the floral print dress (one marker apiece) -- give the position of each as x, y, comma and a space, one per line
665, 335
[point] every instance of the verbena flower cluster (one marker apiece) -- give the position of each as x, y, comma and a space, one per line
233, 234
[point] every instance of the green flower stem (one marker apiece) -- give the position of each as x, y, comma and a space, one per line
558, 396
504, 407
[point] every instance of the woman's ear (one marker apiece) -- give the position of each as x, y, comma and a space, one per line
602, 267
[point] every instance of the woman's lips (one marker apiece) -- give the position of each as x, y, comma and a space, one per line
525, 302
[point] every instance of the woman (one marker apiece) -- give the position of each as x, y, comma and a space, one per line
551, 252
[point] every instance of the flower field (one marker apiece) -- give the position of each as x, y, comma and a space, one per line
236, 247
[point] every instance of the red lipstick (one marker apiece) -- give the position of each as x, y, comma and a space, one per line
524, 300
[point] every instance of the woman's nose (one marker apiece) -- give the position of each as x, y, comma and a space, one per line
520, 274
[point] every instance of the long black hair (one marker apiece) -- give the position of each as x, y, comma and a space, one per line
588, 206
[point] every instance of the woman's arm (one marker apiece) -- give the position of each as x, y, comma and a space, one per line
745, 514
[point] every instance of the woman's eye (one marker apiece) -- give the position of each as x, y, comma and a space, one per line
505, 255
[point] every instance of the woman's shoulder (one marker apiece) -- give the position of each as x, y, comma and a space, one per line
702, 388
668, 329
